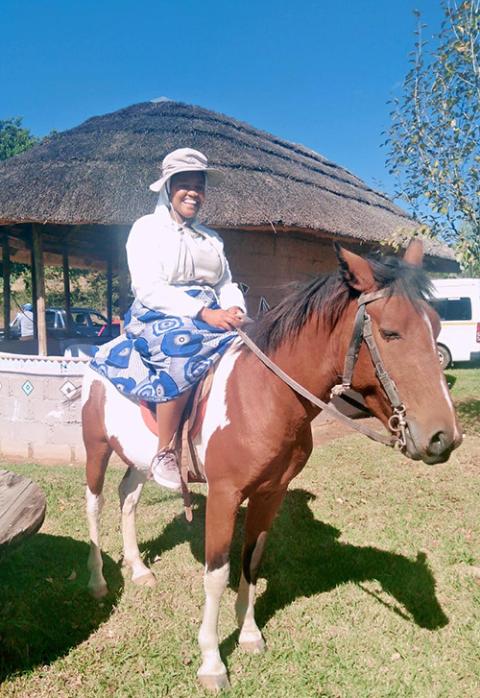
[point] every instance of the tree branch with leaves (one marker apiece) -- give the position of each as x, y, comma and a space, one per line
14, 138
434, 139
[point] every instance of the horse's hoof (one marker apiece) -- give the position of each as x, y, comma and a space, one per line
253, 646
98, 592
145, 580
214, 682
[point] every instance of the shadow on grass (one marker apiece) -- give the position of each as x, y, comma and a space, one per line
45, 608
451, 380
304, 557
469, 415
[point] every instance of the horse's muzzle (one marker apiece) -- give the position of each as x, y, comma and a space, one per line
432, 448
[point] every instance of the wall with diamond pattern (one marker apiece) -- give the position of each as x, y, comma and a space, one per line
37, 420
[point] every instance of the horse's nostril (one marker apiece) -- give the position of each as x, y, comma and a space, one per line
438, 443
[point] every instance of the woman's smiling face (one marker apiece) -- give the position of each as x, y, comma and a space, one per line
187, 193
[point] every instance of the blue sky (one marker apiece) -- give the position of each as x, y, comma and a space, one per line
313, 72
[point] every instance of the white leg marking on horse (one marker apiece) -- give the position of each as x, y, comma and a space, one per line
443, 382
130, 490
215, 583
216, 413
250, 636
97, 584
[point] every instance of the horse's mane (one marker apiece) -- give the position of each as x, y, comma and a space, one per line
329, 294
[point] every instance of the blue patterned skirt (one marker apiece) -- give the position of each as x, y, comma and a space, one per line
160, 356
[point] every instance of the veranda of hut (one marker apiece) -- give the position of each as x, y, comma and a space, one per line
71, 200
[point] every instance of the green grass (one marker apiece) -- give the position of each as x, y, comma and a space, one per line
370, 586
465, 387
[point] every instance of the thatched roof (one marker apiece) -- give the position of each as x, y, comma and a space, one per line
99, 172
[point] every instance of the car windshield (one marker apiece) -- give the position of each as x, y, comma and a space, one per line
81, 319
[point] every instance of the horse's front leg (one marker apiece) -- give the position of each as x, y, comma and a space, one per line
98, 453
261, 511
96, 583
222, 509
129, 491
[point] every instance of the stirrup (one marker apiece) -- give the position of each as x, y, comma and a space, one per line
164, 469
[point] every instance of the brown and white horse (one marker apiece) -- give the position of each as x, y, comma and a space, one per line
256, 434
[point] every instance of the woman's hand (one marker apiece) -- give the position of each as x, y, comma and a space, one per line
223, 319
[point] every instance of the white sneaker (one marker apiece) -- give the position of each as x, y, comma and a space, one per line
165, 471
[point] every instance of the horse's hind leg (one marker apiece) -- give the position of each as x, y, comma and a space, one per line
260, 514
130, 490
98, 454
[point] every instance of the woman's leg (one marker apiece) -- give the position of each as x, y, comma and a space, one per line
165, 470
169, 415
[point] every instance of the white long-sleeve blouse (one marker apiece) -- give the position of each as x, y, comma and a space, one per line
165, 259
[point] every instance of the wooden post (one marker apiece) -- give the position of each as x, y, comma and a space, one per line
34, 290
66, 287
39, 274
6, 286
109, 291
123, 279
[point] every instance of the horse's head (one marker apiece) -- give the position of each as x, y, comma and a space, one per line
404, 329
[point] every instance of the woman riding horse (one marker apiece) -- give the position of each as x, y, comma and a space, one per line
255, 436
185, 305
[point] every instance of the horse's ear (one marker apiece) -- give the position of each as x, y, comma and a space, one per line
355, 270
414, 252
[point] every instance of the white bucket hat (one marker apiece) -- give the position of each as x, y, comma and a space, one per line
185, 160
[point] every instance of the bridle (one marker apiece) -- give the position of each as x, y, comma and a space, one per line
362, 331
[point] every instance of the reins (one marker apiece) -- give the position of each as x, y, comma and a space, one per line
362, 331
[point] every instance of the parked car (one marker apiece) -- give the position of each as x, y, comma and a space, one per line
457, 301
84, 322
86, 326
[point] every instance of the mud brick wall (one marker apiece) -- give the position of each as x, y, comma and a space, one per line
267, 263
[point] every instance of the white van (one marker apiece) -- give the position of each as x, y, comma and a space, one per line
457, 301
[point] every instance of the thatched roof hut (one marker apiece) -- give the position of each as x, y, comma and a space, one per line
71, 200
98, 173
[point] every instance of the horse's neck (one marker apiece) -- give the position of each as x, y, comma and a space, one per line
312, 359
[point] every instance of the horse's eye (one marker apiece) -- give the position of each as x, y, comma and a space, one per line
389, 334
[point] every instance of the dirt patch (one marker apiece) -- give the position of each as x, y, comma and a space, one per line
326, 428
